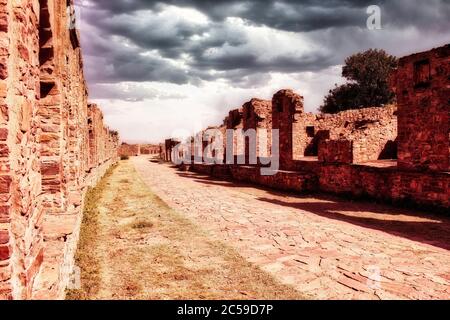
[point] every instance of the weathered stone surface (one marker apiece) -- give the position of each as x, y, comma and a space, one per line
355, 152
316, 242
150, 149
47, 156
257, 115
422, 84
129, 150
336, 151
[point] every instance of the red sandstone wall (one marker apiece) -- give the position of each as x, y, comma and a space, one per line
149, 149
257, 115
234, 121
21, 213
287, 108
169, 149
386, 184
349, 143
370, 129
129, 150
48, 158
336, 151
214, 138
422, 84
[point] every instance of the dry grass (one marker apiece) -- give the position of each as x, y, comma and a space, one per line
134, 246
85, 258
141, 224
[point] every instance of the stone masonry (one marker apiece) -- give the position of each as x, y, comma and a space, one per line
394, 153
422, 85
257, 116
132, 150
129, 150
150, 149
54, 145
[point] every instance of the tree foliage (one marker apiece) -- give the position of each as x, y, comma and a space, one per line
367, 75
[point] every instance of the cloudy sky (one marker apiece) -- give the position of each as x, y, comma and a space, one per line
163, 68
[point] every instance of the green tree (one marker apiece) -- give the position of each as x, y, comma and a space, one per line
368, 82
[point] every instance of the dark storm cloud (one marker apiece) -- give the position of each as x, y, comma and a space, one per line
134, 40
300, 15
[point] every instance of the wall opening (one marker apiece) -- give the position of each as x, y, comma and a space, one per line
389, 151
310, 131
312, 149
422, 74
46, 51
279, 106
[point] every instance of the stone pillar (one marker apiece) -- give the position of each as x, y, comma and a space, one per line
234, 122
257, 115
285, 106
168, 149
422, 85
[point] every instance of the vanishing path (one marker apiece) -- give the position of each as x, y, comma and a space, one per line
322, 246
133, 246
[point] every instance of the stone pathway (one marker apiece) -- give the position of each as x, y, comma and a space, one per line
324, 247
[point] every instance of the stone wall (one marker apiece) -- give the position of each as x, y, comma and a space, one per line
355, 152
168, 149
387, 184
422, 85
132, 150
150, 149
287, 108
129, 150
257, 115
53, 146
373, 132
336, 151
235, 122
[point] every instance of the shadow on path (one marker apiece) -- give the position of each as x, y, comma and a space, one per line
411, 224
421, 227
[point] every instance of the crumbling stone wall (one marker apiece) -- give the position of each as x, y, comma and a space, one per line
373, 132
48, 158
336, 151
214, 144
355, 152
132, 150
235, 122
129, 150
422, 85
21, 213
257, 115
169, 146
149, 149
287, 107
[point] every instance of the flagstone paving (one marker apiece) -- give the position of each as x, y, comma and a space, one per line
325, 247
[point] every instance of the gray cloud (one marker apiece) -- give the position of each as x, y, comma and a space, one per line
300, 16
130, 92
135, 40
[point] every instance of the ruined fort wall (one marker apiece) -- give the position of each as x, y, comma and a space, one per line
287, 108
387, 184
257, 115
354, 152
235, 122
21, 213
45, 164
149, 149
422, 85
372, 131
129, 150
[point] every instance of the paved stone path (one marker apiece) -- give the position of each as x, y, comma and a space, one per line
324, 247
